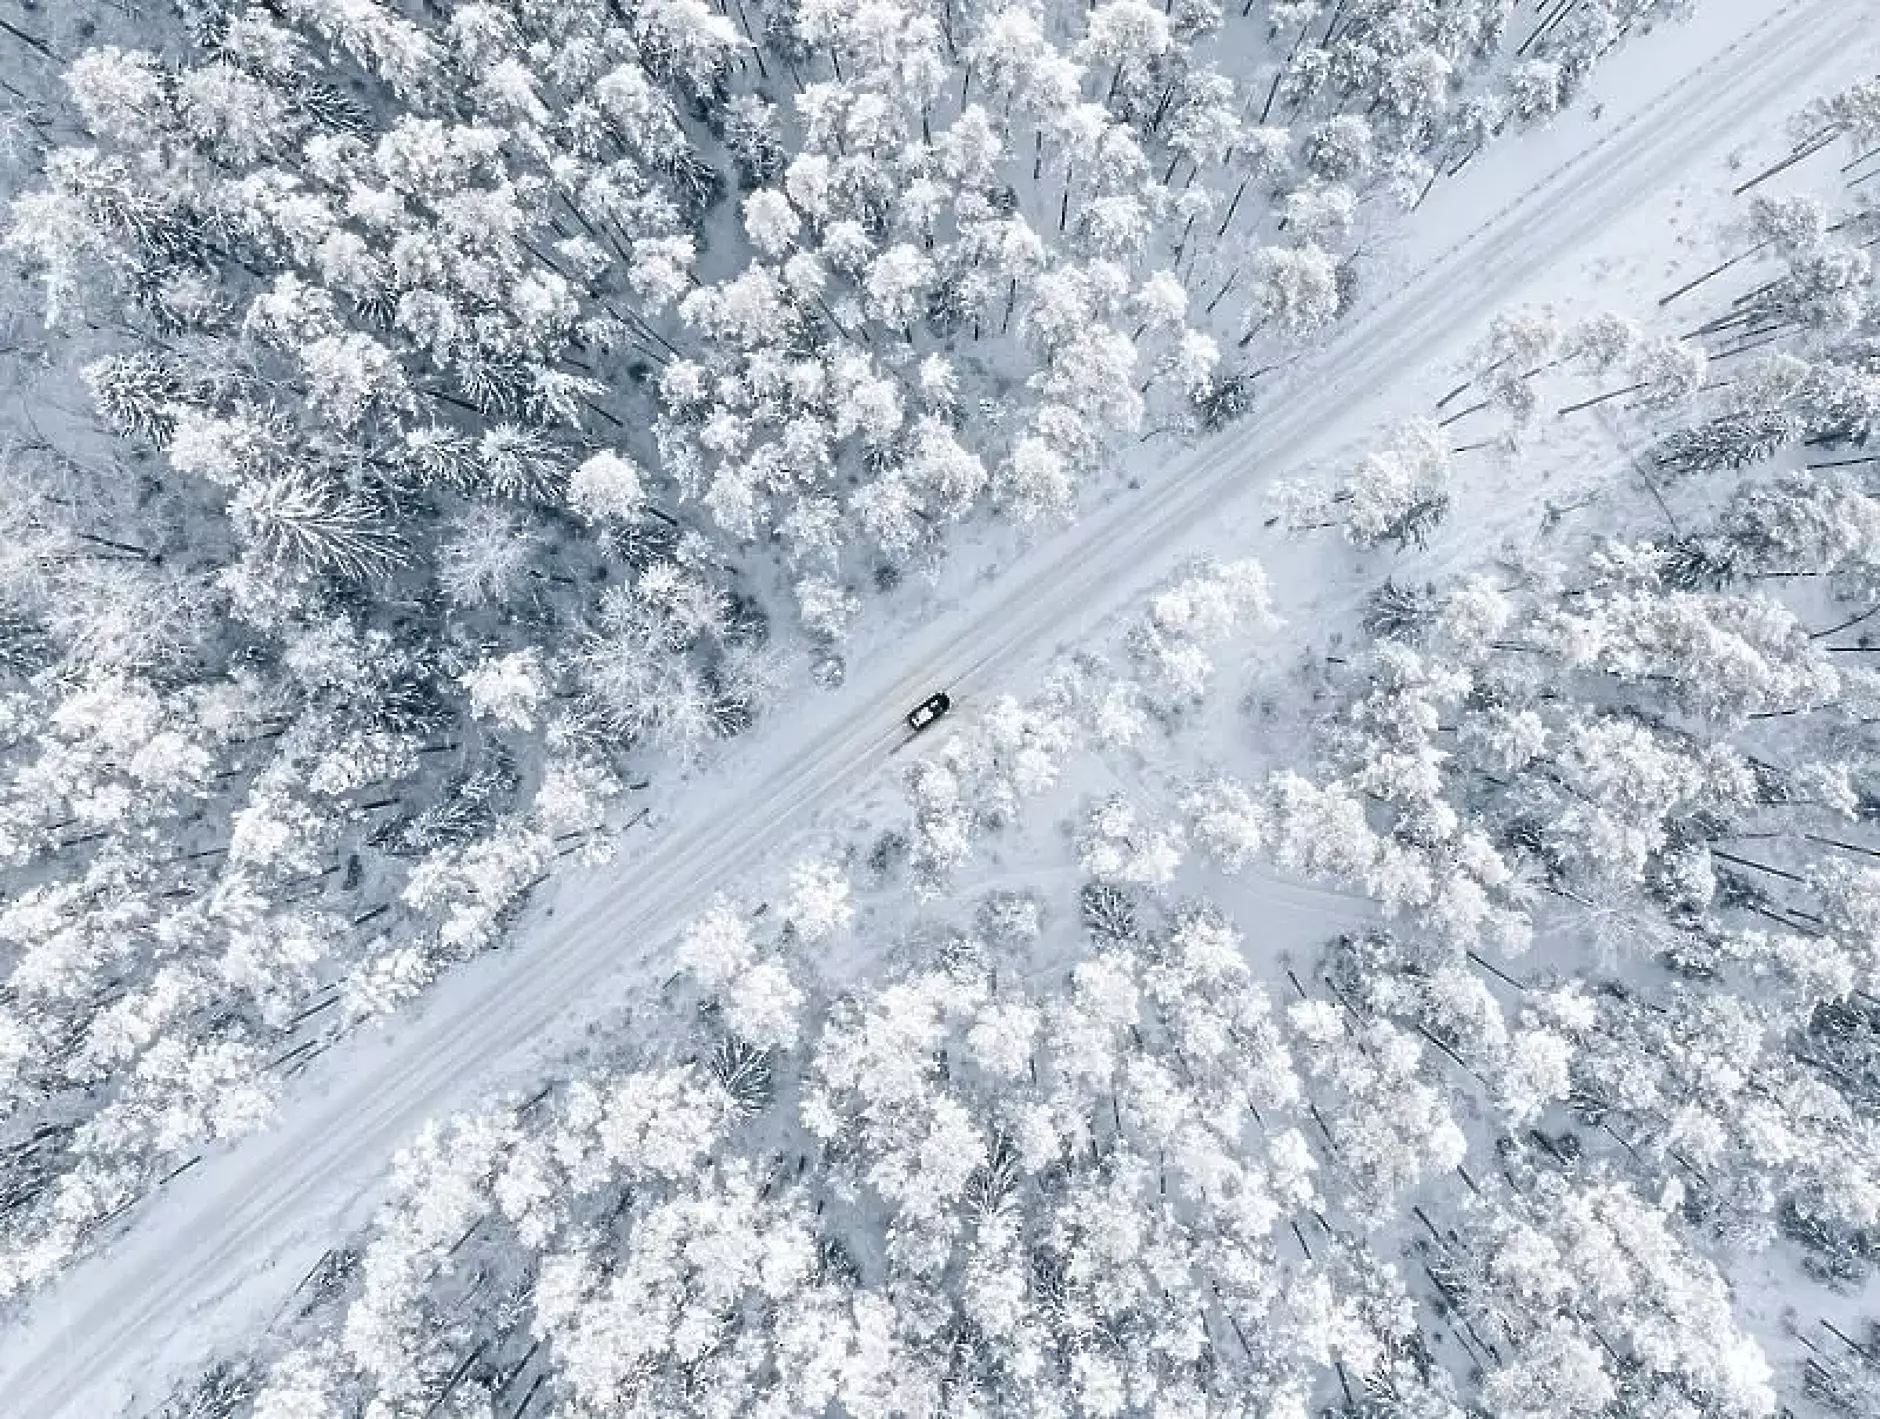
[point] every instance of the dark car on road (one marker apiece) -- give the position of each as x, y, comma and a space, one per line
928, 710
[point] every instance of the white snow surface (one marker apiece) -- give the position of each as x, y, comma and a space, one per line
215, 1253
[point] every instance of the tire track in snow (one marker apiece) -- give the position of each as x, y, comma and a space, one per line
226, 1240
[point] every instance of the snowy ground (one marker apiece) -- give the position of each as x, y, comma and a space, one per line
1568, 209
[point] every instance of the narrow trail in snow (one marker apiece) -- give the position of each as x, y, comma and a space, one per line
227, 1240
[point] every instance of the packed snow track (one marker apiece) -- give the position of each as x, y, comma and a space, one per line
228, 1241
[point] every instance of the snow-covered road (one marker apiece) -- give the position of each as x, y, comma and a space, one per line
225, 1243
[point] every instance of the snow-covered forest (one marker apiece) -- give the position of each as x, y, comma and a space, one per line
511, 399
1423, 958
1586, 1080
